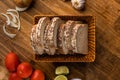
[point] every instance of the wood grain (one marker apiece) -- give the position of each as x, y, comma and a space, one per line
107, 63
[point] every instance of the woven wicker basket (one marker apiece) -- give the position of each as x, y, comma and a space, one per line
90, 57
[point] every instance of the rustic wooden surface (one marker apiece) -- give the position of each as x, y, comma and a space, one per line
107, 63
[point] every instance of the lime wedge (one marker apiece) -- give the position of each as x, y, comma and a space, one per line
62, 70
61, 77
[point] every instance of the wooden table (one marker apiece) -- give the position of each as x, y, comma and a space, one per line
107, 63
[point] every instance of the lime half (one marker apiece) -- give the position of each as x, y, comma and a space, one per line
61, 77
62, 70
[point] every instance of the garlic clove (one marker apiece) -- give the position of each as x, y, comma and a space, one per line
8, 34
78, 4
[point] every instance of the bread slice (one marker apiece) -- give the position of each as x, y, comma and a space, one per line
67, 48
46, 49
80, 38
40, 30
35, 41
52, 35
61, 39
34, 38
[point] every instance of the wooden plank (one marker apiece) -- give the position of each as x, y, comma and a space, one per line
107, 63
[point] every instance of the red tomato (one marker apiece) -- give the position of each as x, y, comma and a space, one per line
14, 76
37, 75
24, 70
11, 61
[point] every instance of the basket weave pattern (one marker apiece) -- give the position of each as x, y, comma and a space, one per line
90, 57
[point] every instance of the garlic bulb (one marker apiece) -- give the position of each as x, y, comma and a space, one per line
22, 5
78, 4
